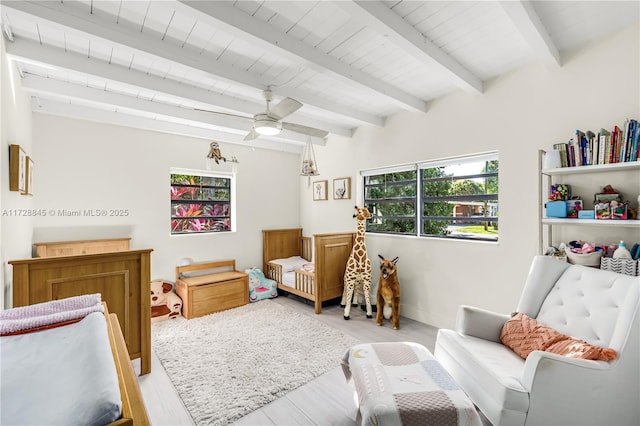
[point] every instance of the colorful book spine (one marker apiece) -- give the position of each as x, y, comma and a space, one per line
621, 144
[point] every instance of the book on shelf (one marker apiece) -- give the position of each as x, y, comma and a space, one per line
616, 146
604, 139
564, 155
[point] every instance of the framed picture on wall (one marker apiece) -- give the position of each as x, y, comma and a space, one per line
319, 190
28, 190
342, 188
17, 168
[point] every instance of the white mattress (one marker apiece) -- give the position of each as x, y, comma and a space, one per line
289, 279
60, 376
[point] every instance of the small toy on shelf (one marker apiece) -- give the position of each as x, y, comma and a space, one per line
559, 192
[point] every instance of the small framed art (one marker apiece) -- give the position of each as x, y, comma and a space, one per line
342, 188
17, 168
319, 190
28, 190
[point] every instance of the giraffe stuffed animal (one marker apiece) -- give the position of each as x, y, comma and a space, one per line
357, 275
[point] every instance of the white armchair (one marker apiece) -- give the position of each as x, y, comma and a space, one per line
598, 306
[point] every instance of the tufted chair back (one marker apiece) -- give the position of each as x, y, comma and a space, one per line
598, 306
586, 303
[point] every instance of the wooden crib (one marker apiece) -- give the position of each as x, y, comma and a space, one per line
330, 255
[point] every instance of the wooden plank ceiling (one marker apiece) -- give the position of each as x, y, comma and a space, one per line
157, 64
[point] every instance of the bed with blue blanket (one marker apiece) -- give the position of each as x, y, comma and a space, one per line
65, 363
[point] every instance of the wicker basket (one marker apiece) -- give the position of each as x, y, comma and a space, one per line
589, 259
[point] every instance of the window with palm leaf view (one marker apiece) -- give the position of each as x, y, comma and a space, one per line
201, 202
452, 198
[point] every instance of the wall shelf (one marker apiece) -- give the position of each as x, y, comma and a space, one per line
599, 168
569, 175
592, 222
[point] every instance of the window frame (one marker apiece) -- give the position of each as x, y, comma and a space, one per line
389, 200
420, 198
212, 174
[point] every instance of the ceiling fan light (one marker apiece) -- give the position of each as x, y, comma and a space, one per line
267, 127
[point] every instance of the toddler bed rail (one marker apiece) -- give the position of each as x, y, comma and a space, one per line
330, 254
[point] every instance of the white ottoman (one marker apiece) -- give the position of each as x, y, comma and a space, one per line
403, 384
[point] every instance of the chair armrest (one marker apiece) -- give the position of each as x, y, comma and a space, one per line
558, 368
476, 322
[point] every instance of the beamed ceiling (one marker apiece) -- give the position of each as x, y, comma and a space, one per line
162, 65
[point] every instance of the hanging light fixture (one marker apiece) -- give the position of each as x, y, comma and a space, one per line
266, 125
309, 165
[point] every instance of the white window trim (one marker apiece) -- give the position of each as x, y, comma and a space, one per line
221, 174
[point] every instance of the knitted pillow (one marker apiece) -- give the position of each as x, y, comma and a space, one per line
524, 334
576, 348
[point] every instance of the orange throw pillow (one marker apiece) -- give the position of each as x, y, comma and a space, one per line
524, 334
576, 348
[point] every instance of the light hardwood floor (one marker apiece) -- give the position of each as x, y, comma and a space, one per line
326, 400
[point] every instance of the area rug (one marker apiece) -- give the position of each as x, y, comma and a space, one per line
227, 364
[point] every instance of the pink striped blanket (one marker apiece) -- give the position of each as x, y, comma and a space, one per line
48, 313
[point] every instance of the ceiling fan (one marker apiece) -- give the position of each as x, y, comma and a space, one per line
269, 122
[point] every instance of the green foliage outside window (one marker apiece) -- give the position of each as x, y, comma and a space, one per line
454, 200
391, 199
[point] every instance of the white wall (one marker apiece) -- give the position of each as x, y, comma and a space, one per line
15, 128
85, 165
519, 113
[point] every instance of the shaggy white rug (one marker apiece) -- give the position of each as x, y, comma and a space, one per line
227, 364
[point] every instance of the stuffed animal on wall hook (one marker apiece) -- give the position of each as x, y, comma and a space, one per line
214, 152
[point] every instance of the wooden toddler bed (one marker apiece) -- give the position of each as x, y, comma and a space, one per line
330, 255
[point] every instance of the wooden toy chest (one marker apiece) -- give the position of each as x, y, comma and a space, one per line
206, 293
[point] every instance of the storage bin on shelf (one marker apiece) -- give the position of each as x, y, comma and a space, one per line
588, 259
621, 266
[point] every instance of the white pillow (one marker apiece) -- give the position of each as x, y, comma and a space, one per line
290, 263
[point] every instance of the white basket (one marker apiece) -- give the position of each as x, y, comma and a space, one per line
589, 259
621, 266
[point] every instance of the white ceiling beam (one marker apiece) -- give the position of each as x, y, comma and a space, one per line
377, 15
528, 23
160, 111
33, 53
78, 112
70, 18
264, 35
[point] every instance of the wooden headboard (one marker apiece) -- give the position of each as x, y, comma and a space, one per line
122, 278
280, 243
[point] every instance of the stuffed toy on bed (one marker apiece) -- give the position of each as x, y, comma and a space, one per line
260, 287
165, 303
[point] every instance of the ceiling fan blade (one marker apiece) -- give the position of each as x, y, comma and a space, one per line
305, 130
251, 135
285, 107
223, 113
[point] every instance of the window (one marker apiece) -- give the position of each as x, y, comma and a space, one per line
391, 199
452, 198
202, 202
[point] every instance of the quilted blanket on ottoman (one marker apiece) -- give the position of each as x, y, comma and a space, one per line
402, 383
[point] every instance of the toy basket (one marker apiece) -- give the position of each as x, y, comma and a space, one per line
621, 266
589, 259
